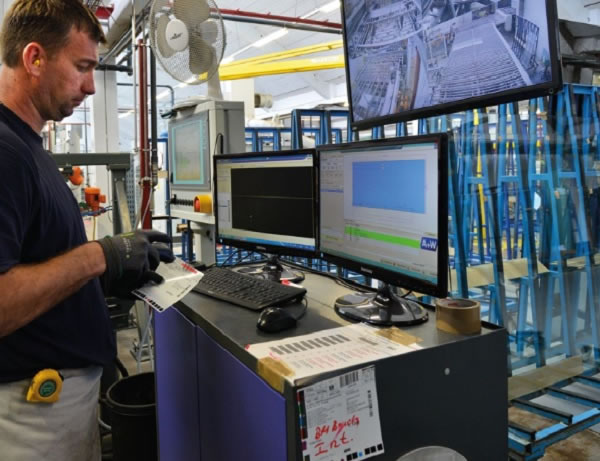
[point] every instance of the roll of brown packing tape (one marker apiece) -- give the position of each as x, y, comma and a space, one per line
459, 316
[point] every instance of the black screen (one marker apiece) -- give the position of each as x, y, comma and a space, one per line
273, 200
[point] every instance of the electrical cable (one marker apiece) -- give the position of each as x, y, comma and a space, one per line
219, 136
233, 253
352, 285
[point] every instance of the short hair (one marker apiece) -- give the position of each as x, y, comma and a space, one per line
47, 22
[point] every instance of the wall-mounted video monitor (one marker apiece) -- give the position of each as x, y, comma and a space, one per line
408, 59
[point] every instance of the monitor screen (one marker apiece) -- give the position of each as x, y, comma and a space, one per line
384, 210
267, 201
407, 59
190, 156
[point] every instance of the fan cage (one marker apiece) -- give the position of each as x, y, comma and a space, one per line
178, 65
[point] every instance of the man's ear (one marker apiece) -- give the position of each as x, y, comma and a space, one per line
34, 58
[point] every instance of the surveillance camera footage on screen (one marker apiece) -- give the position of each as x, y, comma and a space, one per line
410, 55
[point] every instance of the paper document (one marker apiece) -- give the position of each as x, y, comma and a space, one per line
339, 418
329, 350
179, 277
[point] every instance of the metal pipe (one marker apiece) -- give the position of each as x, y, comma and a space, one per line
136, 24
114, 67
135, 111
273, 17
277, 23
145, 173
154, 119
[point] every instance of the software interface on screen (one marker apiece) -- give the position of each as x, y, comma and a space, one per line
267, 200
406, 55
190, 152
379, 207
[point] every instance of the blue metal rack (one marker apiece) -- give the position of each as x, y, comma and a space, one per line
498, 169
528, 445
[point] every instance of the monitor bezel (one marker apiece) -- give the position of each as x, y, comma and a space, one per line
202, 186
477, 102
266, 248
440, 289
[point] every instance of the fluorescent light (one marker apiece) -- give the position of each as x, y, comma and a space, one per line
126, 114
329, 7
269, 38
227, 60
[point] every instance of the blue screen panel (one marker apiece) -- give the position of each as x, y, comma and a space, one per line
397, 185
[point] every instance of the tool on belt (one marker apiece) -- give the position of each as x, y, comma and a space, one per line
45, 386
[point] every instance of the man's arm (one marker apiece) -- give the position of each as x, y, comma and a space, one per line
29, 290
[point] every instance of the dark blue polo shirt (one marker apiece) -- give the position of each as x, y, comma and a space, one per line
40, 219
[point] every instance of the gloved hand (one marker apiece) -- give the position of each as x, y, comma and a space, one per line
131, 260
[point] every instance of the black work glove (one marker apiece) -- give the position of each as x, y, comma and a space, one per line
131, 260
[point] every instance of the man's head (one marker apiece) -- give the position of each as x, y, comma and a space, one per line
46, 22
54, 44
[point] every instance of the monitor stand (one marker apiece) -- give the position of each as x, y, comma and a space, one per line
273, 270
384, 308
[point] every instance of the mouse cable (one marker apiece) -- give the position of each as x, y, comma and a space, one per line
305, 302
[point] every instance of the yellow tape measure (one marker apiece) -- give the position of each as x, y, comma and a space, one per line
45, 386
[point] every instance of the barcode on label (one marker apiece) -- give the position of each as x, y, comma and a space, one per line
348, 378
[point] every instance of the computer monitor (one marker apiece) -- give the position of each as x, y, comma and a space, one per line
410, 59
190, 152
384, 214
266, 202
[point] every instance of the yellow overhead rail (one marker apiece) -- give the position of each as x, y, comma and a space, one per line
281, 67
273, 63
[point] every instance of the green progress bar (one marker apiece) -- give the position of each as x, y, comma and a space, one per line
402, 241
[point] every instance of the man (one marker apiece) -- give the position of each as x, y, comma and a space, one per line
52, 309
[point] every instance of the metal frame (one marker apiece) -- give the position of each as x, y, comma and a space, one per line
118, 164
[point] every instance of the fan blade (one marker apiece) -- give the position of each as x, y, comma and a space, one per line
192, 13
202, 55
209, 31
161, 40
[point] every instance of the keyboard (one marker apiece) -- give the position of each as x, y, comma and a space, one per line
245, 290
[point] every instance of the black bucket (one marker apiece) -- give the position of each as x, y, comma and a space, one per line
132, 402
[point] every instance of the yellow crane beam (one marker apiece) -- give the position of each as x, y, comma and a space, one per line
293, 53
281, 67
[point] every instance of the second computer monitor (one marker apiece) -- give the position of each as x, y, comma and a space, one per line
384, 210
266, 202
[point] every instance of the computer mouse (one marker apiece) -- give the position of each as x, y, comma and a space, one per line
274, 319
